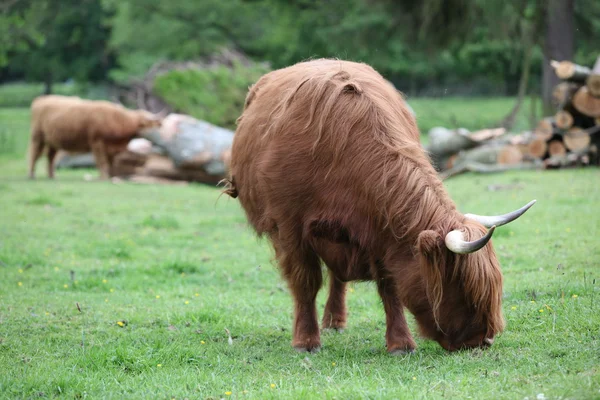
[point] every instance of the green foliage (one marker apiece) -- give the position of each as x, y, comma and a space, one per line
22, 94
215, 95
154, 303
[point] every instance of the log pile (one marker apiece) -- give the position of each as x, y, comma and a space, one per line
571, 137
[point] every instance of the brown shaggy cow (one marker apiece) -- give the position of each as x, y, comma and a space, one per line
78, 125
326, 161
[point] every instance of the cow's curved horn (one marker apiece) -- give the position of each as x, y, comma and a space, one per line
499, 220
456, 243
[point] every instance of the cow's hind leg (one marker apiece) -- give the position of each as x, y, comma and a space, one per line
335, 315
397, 336
36, 148
302, 271
51, 155
101, 158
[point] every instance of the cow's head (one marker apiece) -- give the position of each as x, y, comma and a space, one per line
148, 120
463, 282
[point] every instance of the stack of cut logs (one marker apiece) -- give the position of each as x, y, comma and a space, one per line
571, 137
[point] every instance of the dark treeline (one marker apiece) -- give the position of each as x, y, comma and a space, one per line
426, 47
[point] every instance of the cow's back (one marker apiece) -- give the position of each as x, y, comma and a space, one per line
308, 136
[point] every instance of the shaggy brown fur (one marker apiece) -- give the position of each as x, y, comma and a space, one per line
326, 161
78, 125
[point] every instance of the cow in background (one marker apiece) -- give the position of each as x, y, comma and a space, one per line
77, 125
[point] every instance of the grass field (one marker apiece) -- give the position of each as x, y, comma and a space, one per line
126, 291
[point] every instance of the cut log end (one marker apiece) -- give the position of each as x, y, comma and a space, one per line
563, 119
576, 139
593, 85
586, 104
545, 128
510, 155
537, 148
556, 148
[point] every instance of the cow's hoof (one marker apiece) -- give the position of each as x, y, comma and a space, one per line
303, 349
401, 352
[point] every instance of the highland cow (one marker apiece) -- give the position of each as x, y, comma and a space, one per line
327, 163
77, 125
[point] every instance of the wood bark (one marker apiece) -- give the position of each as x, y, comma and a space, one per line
569, 71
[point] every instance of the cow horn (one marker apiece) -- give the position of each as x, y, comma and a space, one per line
456, 243
499, 220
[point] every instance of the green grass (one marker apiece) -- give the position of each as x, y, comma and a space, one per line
471, 113
177, 266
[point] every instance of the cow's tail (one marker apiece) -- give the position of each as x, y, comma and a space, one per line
229, 187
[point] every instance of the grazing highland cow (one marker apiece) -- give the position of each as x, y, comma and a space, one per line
326, 161
78, 125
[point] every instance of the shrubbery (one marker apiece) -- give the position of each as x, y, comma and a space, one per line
215, 95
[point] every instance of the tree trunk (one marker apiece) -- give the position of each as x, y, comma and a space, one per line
586, 104
48, 81
558, 46
509, 120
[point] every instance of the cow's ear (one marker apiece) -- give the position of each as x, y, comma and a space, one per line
429, 244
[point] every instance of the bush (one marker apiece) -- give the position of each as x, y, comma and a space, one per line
215, 95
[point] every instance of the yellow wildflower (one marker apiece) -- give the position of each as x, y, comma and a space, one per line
104, 281
120, 323
112, 290
574, 296
158, 296
20, 271
187, 302
513, 308
202, 342
414, 378
541, 310
272, 385
20, 283
227, 393
56, 269
65, 286
159, 365
197, 294
333, 364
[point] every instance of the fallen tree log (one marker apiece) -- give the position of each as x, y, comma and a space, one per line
569, 71
193, 144
473, 166
444, 143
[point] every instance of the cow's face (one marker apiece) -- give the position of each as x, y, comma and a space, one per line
464, 292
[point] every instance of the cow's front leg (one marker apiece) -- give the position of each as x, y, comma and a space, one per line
397, 336
101, 157
335, 315
303, 274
